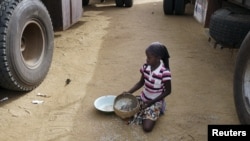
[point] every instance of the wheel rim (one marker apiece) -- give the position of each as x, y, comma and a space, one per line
32, 44
246, 84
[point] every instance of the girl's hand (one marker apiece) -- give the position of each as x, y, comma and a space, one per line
146, 104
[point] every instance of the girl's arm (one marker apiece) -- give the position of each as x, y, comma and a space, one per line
137, 86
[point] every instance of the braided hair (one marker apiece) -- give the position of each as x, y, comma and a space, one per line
158, 49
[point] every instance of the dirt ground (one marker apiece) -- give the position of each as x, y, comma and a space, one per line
102, 54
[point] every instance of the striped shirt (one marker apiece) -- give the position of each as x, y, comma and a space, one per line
154, 81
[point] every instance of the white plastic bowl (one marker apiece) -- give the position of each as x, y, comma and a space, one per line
105, 103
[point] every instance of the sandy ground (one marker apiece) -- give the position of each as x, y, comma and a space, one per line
102, 54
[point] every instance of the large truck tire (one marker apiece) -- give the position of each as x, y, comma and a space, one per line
242, 83
128, 3
174, 6
179, 7
119, 3
228, 27
168, 7
26, 44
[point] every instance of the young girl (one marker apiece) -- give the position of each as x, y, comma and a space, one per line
156, 82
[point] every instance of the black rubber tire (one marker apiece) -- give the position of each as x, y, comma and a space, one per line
26, 44
241, 82
128, 3
119, 3
168, 7
85, 2
229, 28
179, 7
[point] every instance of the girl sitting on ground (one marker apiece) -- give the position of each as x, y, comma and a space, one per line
156, 82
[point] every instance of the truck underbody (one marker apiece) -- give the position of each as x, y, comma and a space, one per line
27, 37
228, 22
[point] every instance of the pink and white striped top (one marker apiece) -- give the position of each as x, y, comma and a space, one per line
154, 81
